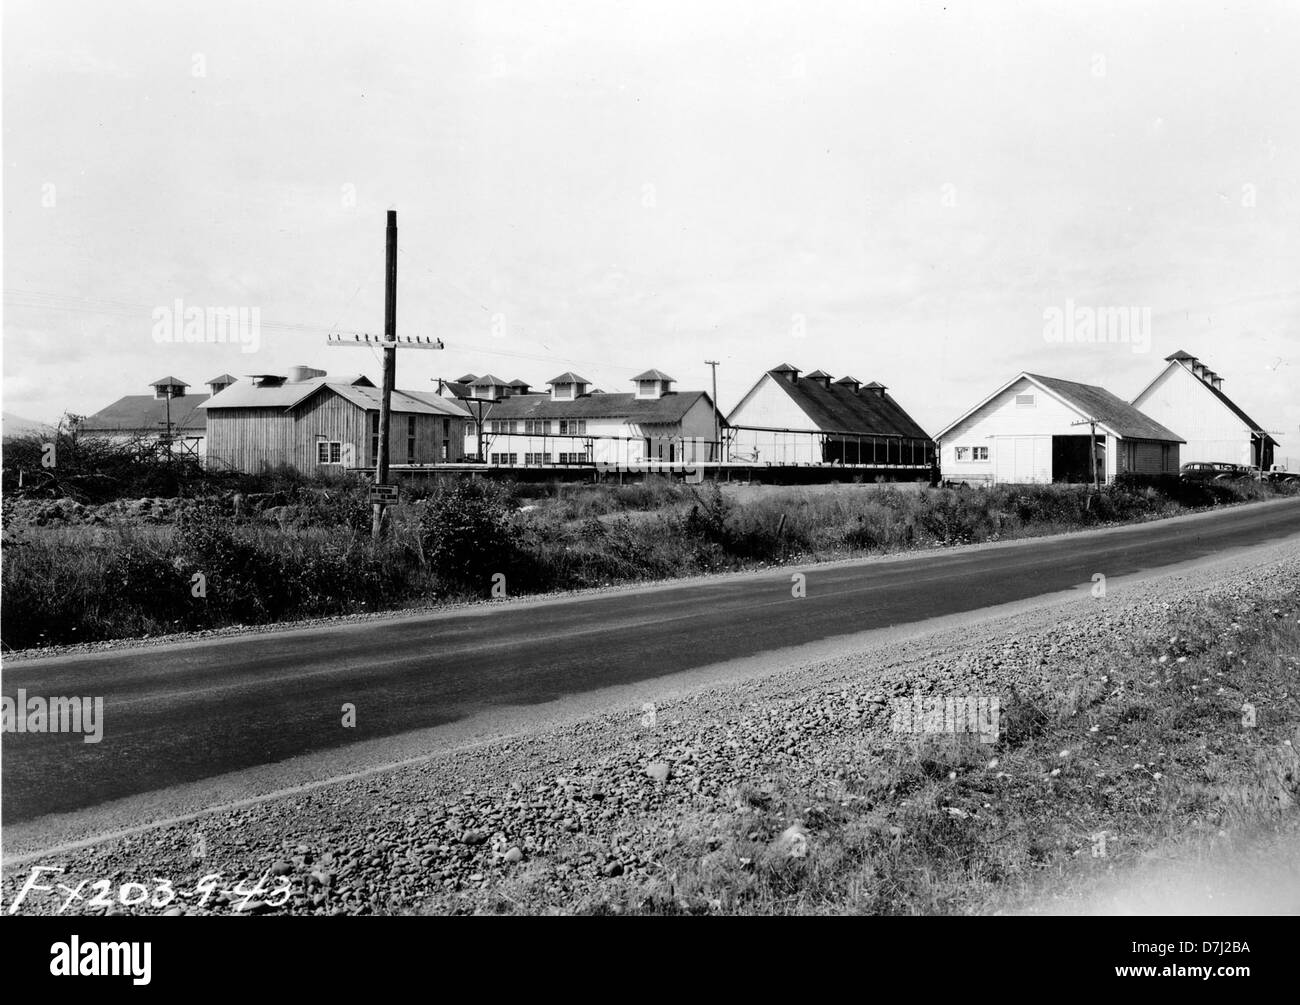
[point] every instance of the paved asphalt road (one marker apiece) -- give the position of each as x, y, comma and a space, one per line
184, 714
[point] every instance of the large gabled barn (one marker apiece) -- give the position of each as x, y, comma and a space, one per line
1188, 396
786, 418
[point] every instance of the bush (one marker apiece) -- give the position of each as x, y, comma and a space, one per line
468, 534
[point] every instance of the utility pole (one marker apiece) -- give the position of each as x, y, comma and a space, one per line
476, 406
390, 367
1262, 436
383, 492
1092, 449
717, 430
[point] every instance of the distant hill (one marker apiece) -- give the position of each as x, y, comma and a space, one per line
16, 425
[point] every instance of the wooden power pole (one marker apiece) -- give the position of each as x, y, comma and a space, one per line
383, 493
390, 367
717, 429
1092, 449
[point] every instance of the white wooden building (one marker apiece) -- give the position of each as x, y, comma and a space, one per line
1188, 396
1037, 429
572, 424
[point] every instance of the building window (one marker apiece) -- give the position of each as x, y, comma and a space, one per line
961, 453
573, 427
537, 458
1024, 401
374, 438
505, 458
979, 453
329, 452
410, 439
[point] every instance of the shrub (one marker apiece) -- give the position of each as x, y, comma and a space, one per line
467, 533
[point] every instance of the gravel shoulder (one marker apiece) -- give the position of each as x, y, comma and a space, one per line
551, 814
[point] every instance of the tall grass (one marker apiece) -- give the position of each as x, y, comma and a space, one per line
457, 540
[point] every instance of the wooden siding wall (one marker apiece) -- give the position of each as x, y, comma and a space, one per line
1182, 403
326, 416
1148, 457
331, 417
428, 439
249, 439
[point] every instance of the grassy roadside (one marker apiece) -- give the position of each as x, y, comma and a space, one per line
1151, 748
216, 562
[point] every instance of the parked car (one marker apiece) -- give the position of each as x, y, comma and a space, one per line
1208, 471
1279, 473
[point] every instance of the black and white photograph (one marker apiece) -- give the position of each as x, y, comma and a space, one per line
628, 458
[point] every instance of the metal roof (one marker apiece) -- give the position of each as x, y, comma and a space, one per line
365, 396
568, 377
654, 375
168, 380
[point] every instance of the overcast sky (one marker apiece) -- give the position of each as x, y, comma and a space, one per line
898, 191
